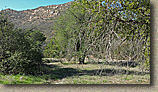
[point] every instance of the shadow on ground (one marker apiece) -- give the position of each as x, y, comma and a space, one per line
118, 63
58, 72
111, 72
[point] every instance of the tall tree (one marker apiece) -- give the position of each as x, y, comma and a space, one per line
110, 29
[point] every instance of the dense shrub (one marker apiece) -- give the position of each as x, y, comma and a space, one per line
20, 50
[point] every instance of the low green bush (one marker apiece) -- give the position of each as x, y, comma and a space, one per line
20, 50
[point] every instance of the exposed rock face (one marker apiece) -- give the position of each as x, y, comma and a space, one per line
40, 18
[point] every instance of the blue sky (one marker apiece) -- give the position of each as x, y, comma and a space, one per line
28, 4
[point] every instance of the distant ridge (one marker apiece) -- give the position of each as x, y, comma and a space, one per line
41, 18
40, 7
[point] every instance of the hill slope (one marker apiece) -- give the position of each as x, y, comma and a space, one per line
41, 18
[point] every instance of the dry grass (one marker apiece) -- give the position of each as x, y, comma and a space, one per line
90, 74
70, 73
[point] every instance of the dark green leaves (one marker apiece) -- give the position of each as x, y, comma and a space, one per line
20, 50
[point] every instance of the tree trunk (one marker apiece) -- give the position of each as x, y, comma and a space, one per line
82, 59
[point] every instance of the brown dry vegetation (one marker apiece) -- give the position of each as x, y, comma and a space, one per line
70, 73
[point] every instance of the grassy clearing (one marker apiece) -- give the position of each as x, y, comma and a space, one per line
89, 74
70, 73
118, 79
20, 79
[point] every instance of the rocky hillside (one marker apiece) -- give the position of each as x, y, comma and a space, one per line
41, 18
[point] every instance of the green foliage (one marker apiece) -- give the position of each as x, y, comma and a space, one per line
20, 79
20, 50
51, 50
63, 27
104, 27
36, 36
